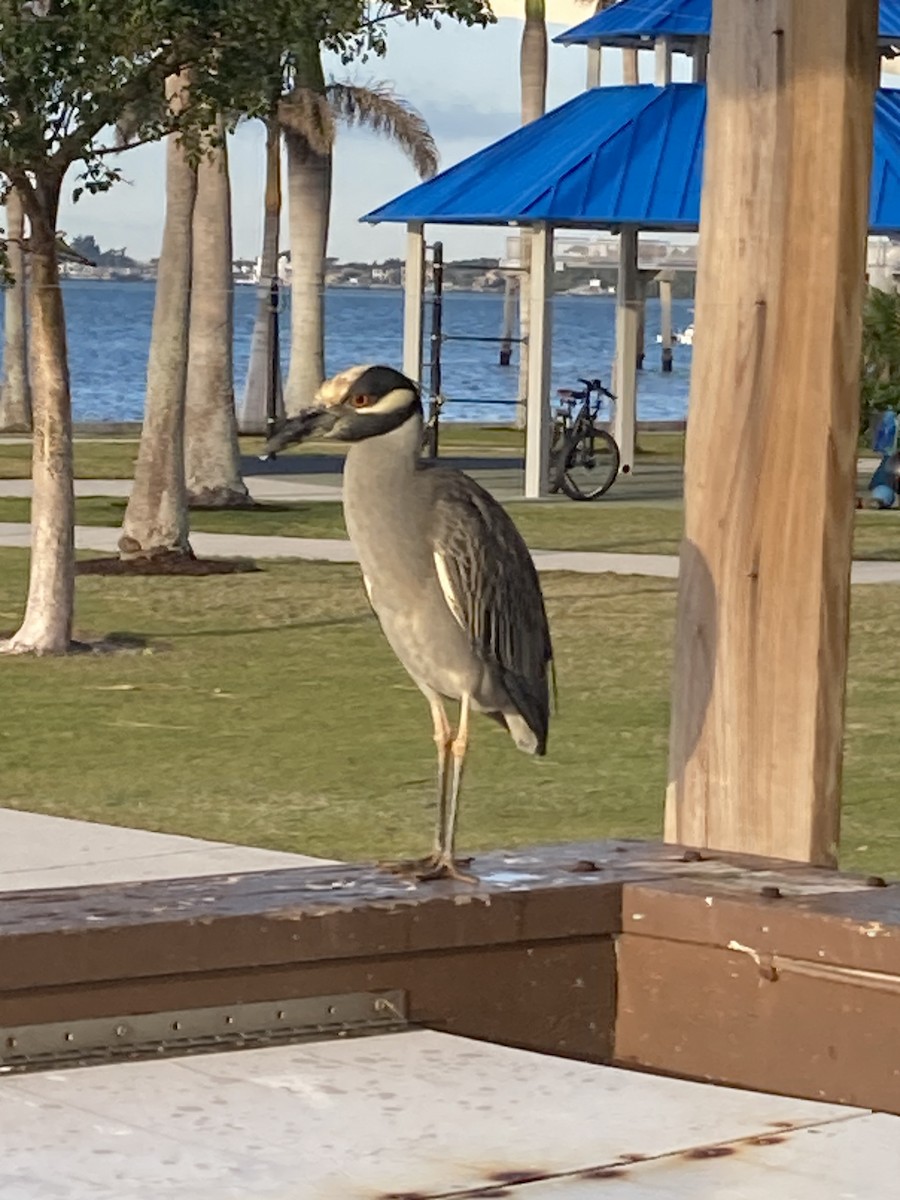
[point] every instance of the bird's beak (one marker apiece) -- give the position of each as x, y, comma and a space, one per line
297, 429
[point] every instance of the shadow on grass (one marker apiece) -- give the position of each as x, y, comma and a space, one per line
322, 623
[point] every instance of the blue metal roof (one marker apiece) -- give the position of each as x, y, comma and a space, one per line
633, 21
612, 156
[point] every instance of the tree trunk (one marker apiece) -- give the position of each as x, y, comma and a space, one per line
47, 625
15, 400
257, 388
156, 519
212, 458
309, 190
533, 74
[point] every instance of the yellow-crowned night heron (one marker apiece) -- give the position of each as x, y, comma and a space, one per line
447, 574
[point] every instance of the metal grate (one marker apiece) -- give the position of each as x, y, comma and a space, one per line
199, 1030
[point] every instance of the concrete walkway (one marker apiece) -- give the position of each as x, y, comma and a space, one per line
104, 539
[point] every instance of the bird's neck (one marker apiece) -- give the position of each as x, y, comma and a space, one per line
390, 455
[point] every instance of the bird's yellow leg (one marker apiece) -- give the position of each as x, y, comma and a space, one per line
443, 739
445, 865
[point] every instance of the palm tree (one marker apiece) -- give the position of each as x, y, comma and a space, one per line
156, 519
15, 398
309, 115
211, 453
262, 353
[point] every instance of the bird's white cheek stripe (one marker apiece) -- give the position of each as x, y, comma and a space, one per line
399, 398
447, 588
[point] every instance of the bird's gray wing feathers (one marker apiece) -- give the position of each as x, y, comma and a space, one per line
491, 586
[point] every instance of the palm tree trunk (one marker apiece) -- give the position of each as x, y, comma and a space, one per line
47, 624
212, 459
533, 73
309, 191
156, 519
15, 399
257, 388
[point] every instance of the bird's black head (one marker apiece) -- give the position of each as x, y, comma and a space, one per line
361, 402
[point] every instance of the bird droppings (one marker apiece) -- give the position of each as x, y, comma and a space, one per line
510, 877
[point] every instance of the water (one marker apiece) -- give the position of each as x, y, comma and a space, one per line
109, 337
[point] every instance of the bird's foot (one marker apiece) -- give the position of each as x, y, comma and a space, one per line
433, 866
443, 867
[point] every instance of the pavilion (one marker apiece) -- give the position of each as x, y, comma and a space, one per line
615, 158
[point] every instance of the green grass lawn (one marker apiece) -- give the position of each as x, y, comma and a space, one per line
267, 709
101, 458
632, 528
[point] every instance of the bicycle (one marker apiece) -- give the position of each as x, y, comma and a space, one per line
584, 459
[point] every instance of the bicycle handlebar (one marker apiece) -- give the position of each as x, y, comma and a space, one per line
595, 385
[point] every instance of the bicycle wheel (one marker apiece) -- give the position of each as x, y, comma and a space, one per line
592, 464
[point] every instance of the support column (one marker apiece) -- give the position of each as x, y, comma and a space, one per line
594, 65
628, 311
540, 350
699, 55
630, 66
413, 291
662, 76
665, 319
763, 606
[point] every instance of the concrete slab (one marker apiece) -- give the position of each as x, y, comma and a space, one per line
39, 851
421, 1114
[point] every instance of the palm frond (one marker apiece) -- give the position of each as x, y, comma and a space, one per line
377, 107
308, 114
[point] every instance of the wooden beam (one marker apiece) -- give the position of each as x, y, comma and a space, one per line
540, 352
628, 314
762, 623
665, 319
663, 62
594, 65
699, 57
413, 291
630, 67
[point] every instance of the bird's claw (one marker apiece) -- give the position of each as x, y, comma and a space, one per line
434, 866
445, 868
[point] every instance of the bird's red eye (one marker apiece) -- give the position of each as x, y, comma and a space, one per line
360, 401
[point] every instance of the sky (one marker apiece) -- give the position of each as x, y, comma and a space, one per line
464, 81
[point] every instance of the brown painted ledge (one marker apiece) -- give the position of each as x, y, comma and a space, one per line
741, 971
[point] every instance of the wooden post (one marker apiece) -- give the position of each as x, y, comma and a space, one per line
662, 76
699, 57
540, 349
413, 291
762, 622
628, 311
594, 65
665, 319
630, 66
